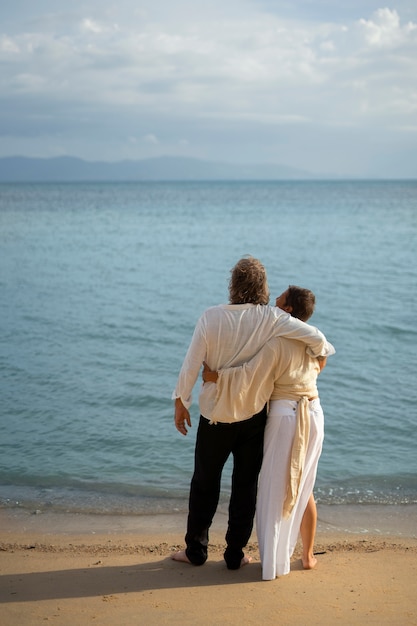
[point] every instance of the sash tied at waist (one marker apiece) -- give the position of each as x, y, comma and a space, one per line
298, 454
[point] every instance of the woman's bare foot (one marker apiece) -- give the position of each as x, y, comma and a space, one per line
310, 562
180, 556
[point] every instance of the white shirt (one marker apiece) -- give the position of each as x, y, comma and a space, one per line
228, 335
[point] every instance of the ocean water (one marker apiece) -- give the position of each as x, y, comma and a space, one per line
101, 286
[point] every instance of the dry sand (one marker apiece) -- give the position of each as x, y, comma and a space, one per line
104, 570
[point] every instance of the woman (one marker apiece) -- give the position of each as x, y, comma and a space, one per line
285, 377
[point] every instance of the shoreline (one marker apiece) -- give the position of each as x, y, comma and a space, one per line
105, 569
399, 520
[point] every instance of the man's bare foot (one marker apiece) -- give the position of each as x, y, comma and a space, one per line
245, 561
180, 556
310, 562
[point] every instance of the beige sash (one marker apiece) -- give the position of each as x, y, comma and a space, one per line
298, 455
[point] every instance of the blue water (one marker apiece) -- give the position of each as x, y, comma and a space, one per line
101, 286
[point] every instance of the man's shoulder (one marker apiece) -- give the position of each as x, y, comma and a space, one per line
224, 308
256, 310
212, 310
212, 313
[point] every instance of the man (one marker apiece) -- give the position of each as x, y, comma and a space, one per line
226, 336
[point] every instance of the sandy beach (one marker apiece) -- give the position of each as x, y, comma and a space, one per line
78, 569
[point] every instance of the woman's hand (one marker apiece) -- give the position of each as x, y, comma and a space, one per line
322, 362
209, 376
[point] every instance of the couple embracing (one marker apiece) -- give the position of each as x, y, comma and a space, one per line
258, 402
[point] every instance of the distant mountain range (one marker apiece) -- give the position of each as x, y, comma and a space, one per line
72, 169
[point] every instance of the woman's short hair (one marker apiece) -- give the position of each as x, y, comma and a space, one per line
248, 283
302, 301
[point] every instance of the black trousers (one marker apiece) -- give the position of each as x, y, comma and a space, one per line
214, 444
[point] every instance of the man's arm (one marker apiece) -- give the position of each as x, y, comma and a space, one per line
187, 378
243, 391
293, 328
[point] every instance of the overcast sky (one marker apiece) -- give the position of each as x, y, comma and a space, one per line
322, 85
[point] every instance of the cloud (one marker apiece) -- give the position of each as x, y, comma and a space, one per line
151, 139
235, 69
91, 26
8, 46
384, 29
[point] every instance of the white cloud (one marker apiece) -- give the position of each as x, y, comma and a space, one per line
327, 46
91, 26
384, 28
7, 45
151, 139
28, 83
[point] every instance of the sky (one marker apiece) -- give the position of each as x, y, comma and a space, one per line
321, 85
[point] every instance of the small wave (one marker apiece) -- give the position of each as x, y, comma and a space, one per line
401, 489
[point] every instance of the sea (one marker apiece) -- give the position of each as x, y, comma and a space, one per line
102, 284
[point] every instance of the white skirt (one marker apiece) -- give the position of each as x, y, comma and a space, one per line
277, 536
